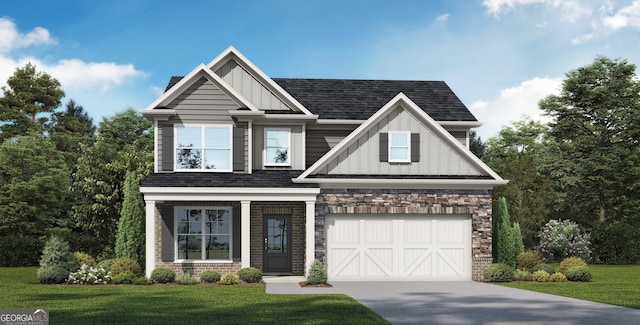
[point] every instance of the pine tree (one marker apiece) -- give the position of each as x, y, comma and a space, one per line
503, 244
517, 239
130, 238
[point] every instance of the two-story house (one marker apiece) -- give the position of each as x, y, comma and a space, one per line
372, 177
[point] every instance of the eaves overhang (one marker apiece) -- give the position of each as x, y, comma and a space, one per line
470, 184
228, 194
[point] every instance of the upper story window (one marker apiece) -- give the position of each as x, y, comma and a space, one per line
399, 146
203, 233
204, 148
277, 147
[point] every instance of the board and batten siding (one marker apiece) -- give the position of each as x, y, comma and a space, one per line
436, 156
319, 142
295, 147
249, 87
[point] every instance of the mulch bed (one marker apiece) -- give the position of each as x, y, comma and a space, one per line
305, 285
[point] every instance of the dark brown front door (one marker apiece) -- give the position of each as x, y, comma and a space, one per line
277, 244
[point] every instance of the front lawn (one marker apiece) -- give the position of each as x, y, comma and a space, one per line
614, 285
174, 304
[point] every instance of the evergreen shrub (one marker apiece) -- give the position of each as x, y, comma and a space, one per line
527, 260
579, 273
229, 279
542, 266
498, 272
570, 262
125, 264
250, 275
317, 274
163, 275
540, 276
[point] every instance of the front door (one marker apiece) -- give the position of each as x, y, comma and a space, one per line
277, 244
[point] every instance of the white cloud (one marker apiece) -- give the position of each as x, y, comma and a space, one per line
628, 16
498, 7
11, 38
570, 10
442, 17
512, 104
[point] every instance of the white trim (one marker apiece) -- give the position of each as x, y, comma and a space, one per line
250, 147
229, 194
310, 234
245, 233
466, 124
150, 236
229, 209
407, 158
264, 148
203, 148
155, 146
400, 100
336, 121
402, 183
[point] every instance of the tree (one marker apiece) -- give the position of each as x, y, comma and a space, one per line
517, 239
596, 122
69, 129
475, 144
130, 239
503, 243
124, 144
517, 153
28, 93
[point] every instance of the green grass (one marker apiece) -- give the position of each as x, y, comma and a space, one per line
174, 304
614, 285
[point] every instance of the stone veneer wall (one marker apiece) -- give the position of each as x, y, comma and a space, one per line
477, 203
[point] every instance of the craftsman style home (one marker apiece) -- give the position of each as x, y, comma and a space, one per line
372, 177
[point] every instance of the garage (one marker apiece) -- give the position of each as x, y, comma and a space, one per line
398, 247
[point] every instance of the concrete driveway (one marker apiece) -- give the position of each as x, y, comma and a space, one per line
467, 303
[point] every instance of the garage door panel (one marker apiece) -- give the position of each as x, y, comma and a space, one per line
393, 247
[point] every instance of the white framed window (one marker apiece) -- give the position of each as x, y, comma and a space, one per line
399, 146
277, 147
203, 233
203, 148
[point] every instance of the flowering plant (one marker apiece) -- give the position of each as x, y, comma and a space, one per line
89, 275
562, 238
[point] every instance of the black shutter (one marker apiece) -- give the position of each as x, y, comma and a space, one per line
415, 147
167, 148
167, 234
238, 149
384, 147
236, 233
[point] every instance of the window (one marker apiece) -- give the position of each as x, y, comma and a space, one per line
203, 148
277, 147
399, 146
203, 233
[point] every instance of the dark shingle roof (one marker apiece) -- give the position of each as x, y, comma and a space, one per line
259, 178
346, 99
359, 99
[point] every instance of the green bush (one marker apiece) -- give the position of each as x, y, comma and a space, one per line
229, 279
19, 251
163, 275
317, 274
84, 259
616, 243
124, 277
142, 281
106, 264
53, 275
498, 272
579, 273
57, 253
527, 260
570, 262
540, 276
250, 275
210, 276
542, 266
521, 275
557, 277
125, 264
187, 279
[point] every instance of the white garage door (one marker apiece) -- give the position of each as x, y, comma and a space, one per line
398, 247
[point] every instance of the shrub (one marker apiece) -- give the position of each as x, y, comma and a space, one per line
19, 251
57, 253
527, 260
579, 273
542, 266
570, 262
498, 272
106, 264
229, 279
210, 276
187, 279
504, 248
163, 275
130, 233
124, 277
250, 275
517, 239
89, 275
125, 264
317, 274
84, 259
616, 243
52, 275
521, 275
562, 238
540, 276
142, 281
557, 277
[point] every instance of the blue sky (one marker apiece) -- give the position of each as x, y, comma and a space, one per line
499, 56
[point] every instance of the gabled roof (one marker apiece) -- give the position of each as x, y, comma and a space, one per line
490, 180
345, 99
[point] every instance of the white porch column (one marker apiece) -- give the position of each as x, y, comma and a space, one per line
245, 232
150, 236
310, 223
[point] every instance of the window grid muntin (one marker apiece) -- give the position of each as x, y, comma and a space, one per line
196, 238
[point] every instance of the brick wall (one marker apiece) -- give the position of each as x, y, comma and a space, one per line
477, 203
